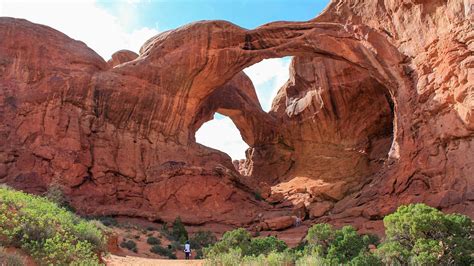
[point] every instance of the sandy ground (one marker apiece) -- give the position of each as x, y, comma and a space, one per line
114, 260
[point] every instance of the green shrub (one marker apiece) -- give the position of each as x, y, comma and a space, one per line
174, 245
312, 260
278, 258
164, 228
420, 234
202, 239
49, 233
199, 254
130, 245
320, 235
233, 257
416, 235
179, 231
371, 239
254, 251
258, 196
157, 249
236, 239
153, 241
347, 245
266, 245
392, 253
366, 259
92, 232
337, 246
55, 194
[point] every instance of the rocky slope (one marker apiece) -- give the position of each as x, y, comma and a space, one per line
378, 111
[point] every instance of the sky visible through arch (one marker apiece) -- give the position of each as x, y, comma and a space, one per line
108, 26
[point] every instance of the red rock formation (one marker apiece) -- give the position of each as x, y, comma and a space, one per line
121, 57
378, 112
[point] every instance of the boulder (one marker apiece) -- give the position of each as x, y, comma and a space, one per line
318, 209
279, 223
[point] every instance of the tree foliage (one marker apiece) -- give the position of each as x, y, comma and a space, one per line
420, 234
179, 232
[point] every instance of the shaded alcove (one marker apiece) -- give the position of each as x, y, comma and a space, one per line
336, 132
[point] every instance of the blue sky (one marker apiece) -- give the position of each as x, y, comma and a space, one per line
109, 26
170, 14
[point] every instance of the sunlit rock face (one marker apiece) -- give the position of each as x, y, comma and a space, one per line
378, 111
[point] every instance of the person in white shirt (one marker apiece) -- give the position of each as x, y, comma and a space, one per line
187, 250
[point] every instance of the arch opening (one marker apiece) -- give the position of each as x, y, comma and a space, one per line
268, 76
222, 134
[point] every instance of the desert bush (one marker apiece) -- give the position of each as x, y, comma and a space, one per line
153, 241
234, 257
49, 233
337, 246
311, 260
108, 221
278, 259
174, 245
238, 239
319, 237
266, 245
422, 235
199, 254
347, 245
366, 259
238, 247
55, 194
202, 239
179, 232
416, 235
130, 245
258, 196
157, 249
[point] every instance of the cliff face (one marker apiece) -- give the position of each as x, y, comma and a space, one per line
378, 111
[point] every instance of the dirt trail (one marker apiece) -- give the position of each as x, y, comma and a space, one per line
114, 260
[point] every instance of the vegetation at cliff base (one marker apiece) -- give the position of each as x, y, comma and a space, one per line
420, 235
415, 235
50, 234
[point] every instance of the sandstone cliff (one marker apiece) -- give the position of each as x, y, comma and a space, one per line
378, 111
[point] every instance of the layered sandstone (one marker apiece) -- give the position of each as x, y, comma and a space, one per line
378, 111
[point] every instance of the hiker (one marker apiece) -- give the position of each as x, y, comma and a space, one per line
187, 250
297, 221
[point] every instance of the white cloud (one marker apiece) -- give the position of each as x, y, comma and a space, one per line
223, 135
268, 76
84, 21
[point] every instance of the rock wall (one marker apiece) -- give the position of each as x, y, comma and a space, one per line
378, 112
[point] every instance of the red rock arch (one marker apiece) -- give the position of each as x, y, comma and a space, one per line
119, 140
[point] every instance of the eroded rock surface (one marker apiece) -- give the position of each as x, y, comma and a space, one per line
378, 112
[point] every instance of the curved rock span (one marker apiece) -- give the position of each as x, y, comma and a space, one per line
378, 112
